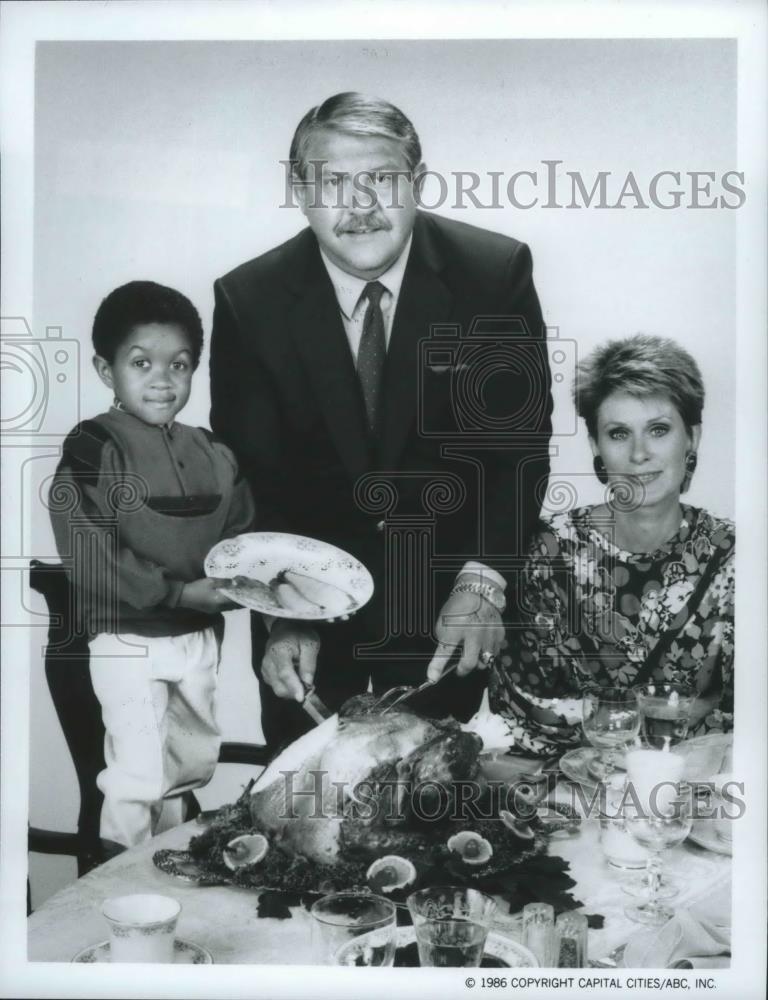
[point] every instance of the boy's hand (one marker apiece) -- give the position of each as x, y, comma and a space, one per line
204, 595
290, 658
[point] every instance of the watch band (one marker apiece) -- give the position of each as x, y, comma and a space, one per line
494, 595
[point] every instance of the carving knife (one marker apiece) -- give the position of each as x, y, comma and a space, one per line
314, 706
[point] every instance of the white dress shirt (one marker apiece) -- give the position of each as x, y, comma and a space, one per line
349, 289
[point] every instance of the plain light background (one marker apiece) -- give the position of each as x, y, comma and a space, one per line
161, 160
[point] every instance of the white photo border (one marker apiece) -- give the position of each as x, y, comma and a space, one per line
24, 23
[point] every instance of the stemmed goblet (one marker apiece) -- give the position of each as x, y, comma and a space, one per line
611, 721
657, 828
665, 712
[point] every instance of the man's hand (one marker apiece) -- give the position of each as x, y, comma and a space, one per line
204, 595
290, 657
469, 621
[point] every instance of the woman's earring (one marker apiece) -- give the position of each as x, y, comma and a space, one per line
599, 466
691, 460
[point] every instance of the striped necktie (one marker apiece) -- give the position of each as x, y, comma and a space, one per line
372, 351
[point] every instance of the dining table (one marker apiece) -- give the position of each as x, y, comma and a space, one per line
224, 920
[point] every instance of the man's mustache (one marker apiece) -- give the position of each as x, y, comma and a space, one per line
361, 224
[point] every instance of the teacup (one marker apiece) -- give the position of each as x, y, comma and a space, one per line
142, 927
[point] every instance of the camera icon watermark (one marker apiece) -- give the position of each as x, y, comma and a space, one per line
41, 380
494, 382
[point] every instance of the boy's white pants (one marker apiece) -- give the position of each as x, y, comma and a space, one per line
161, 733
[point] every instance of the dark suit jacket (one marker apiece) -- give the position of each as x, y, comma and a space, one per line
466, 403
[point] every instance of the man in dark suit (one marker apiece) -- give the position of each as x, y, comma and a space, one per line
383, 380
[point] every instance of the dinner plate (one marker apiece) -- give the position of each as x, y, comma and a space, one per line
704, 834
184, 953
575, 765
290, 576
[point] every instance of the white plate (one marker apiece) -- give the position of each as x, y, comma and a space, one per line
704, 834
705, 756
290, 576
575, 765
184, 953
514, 955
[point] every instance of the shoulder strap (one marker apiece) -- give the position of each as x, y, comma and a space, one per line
661, 648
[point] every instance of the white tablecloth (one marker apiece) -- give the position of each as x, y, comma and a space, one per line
224, 919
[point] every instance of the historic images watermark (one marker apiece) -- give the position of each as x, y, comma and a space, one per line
314, 795
549, 185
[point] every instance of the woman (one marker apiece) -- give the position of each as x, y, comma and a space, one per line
604, 586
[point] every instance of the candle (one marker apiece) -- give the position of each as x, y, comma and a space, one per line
649, 769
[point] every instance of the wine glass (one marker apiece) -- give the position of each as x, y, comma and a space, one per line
657, 830
354, 928
611, 721
665, 712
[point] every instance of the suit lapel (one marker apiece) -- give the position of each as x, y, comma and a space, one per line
424, 300
318, 331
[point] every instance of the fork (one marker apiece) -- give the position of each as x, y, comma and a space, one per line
403, 691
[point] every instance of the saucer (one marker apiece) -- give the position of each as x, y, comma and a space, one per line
184, 953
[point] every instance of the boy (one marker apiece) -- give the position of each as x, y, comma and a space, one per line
137, 502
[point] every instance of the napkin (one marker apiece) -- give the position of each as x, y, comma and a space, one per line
683, 938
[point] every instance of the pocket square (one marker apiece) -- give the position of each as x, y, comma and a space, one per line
443, 369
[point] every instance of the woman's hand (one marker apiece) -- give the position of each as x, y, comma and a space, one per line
290, 658
469, 621
204, 595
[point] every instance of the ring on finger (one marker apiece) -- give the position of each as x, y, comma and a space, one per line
487, 658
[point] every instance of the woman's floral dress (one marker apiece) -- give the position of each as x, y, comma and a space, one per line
591, 613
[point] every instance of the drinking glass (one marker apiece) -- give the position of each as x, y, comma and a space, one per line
611, 721
451, 925
621, 850
665, 712
354, 928
657, 830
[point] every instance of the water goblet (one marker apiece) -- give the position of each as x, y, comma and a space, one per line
451, 925
657, 829
665, 712
354, 928
611, 722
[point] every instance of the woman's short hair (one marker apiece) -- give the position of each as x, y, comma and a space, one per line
355, 114
139, 303
642, 366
